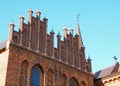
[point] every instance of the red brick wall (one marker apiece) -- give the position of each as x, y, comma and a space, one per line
19, 54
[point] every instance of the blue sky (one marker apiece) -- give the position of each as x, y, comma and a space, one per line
99, 21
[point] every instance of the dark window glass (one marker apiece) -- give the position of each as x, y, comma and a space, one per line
35, 77
73, 82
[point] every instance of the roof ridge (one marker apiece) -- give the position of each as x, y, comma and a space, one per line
106, 71
115, 66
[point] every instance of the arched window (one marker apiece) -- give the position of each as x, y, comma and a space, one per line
49, 78
24, 71
35, 76
73, 82
63, 80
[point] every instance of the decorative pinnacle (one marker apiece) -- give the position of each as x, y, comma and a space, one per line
11, 25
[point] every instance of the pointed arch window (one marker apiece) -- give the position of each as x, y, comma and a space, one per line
73, 82
49, 79
63, 80
24, 71
35, 77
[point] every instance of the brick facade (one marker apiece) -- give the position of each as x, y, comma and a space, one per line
31, 47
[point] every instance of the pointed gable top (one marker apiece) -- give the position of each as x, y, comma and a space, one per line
80, 36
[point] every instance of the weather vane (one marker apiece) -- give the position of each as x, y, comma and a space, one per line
115, 58
78, 17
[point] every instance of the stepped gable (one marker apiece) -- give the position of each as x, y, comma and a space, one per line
33, 36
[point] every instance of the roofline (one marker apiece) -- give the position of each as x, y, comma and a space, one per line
2, 50
3, 44
111, 75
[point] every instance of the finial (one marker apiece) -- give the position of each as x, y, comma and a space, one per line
52, 30
78, 26
12, 25
71, 31
38, 13
30, 12
58, 35
65, 32
52, 27
89, 57
115, 58
78, 17
45, 18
